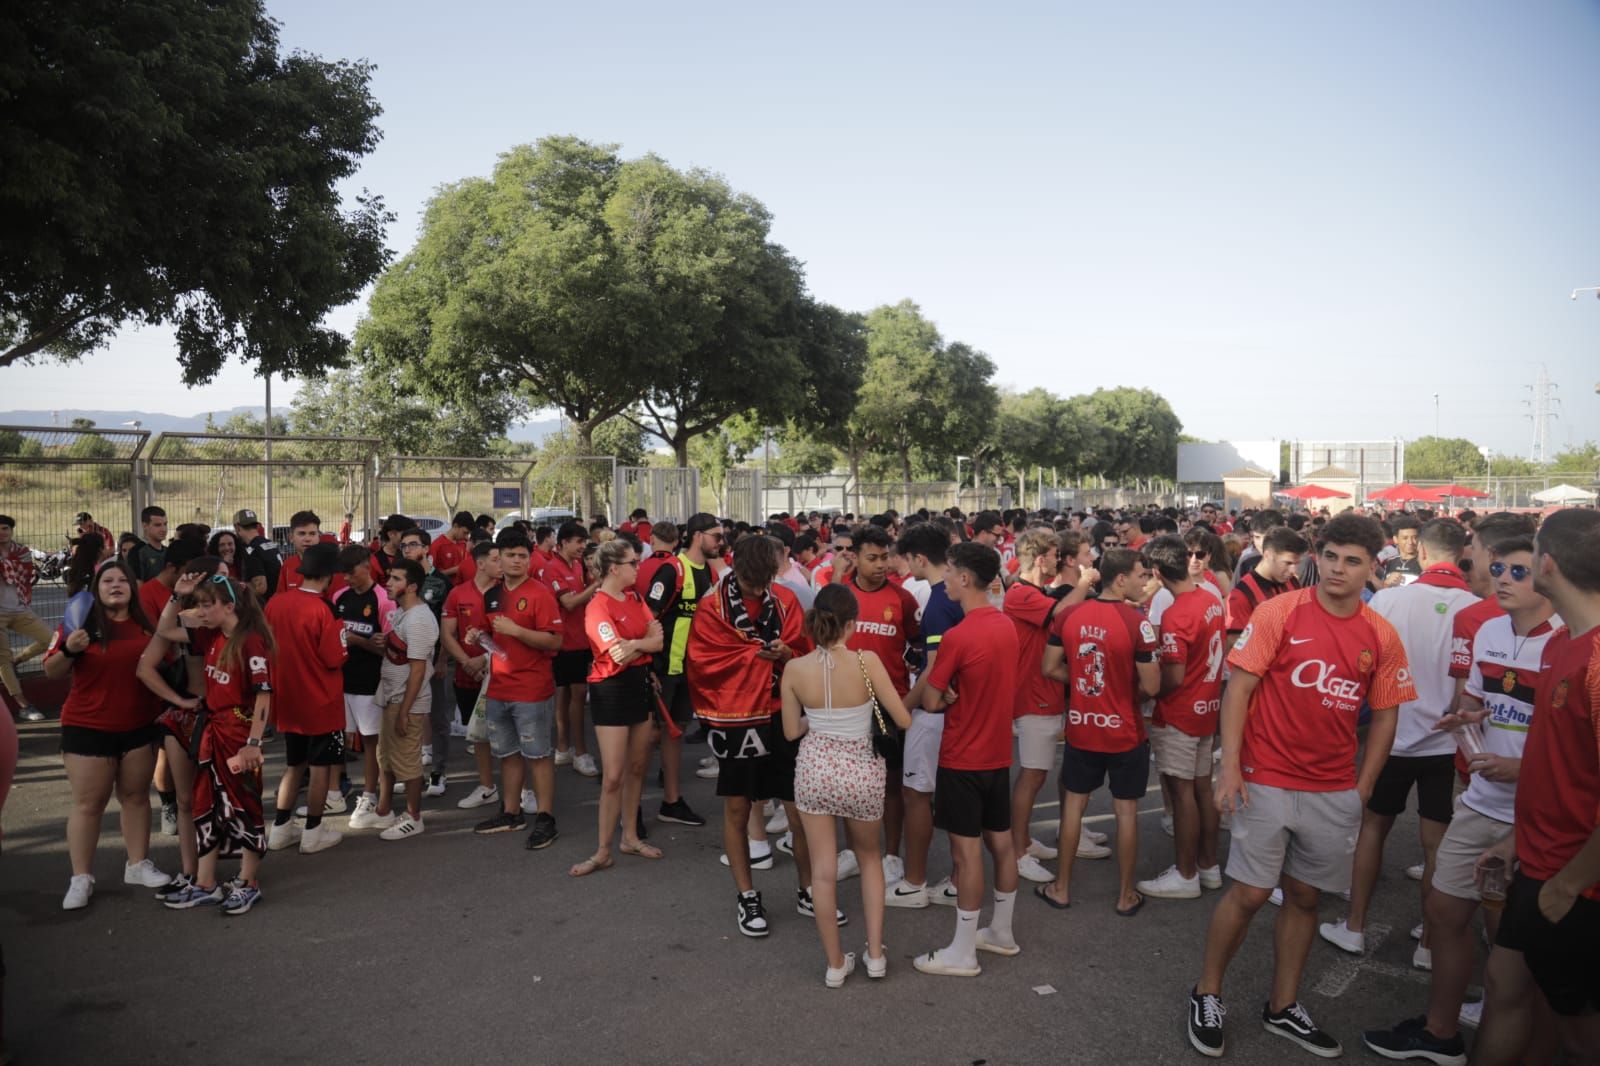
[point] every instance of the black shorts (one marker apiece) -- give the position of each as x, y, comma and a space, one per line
755, 762
1434, 777
1128, 771
318, 749
1560, 956
622, 700
675, 694
106, 744
969, 803
466, 702
572, 667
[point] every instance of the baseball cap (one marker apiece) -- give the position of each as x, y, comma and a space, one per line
320, 560
701, 523
82, 517
245, 518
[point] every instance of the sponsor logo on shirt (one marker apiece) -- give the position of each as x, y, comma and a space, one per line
1148, 632
878, 629
1322, 676
1098, 719
1244, 637
607, 633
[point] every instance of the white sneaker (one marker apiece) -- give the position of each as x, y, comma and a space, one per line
1342, 937
1416, 931
435, 785
848, 866
1415, 872
760, 858
894, 869
901, 894
707, 761
377, 821
1167, 824
79, 889
987, 941
944, 894
1032, 869
1088, 849
877, 967
770, 807
1276, 899
935, 962
144, 874
328, 806
1211, 877
479, 797
283, 836
1422, 958
399, 788
564, 758
530, 802
366, 810
1042, 851
457, 729
427, 755
585, 765
1171, 885
404, 826
319, 839
835, 978
708, 772
785, 843
1471, 1014
1091, 835
778, 823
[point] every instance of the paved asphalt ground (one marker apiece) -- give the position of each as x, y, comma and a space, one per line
452, 948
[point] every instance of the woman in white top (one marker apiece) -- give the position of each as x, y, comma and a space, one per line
828, 707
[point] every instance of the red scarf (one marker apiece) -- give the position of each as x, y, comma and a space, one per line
729, 683
16, 569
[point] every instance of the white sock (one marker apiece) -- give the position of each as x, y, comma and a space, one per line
965, 945
1000, 924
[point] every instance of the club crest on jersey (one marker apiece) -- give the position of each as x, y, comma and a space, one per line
258, 664
1508, 683
522, 604
1364, 663
888, 614
1558, 698
366, 612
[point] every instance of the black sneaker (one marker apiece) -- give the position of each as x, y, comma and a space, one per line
1205, 1023
752, 918
504, 822
803, 904
1411, 1040
544, 831
174, 888
679, 812
1293, 1023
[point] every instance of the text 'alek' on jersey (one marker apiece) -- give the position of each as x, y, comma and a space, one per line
1104, 641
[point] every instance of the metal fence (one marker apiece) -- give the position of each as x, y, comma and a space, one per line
49, 475
670, 492
438, 486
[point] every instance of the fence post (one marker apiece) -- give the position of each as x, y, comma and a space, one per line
139, 490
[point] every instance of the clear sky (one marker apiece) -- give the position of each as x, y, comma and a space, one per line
1292, 220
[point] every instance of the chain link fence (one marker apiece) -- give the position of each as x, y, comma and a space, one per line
435, 486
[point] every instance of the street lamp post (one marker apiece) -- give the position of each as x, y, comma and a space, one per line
1488, 468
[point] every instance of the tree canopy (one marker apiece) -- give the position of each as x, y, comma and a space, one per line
162, 162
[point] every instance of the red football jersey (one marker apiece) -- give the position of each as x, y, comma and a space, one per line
232, 687
446, 554
311, 655
1028, 607
153, 597
1249, 593
564, 578
525, 675
979, 656
1463, 628
1104, 642
1316, 669
1191, 634
465, 605
1558, 792
886, 623
106, 692
609, 621
289, 579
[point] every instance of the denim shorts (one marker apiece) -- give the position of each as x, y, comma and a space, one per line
525, 727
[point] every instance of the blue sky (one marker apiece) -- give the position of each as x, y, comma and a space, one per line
1292, 220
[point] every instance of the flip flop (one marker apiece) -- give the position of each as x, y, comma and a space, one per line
641, 849
1131, 911
1040, 891
589, 866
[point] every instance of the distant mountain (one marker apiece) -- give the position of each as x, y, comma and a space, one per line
156, 422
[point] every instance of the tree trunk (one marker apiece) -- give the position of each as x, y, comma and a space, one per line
680, 451
855, 476
585, 482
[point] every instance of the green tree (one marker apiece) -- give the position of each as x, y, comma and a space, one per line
1442, 459
1136, 433
160, 161
722, 449
1583, 457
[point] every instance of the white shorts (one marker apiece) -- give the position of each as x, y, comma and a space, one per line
1178, 754
1037, 736
920, 770
1455, 863
361, 715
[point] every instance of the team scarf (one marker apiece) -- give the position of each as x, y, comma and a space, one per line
16, 568
1443, 575
729, 683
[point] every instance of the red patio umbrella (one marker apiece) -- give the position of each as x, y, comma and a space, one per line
1445, 492
1400, 493
1314, 492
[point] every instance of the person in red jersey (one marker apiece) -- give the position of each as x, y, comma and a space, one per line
238, 650
1104, 651
108, 730
449, 552
305, 532
1185, 719
886, 625
1272, 575
463, 612
1301, 670
623, 634
1549, 936
1041, 702
154, 595
310, 700
974, 682
567, 576
742, 633
662, 547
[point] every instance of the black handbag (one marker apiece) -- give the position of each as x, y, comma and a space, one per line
884, 742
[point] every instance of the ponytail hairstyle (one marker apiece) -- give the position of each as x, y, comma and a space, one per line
831, 613
251, 619
86, 552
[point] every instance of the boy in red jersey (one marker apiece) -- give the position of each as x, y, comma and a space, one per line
310, 699
1185, 720
974, 683
1301, 670
464, 611
1273, 574
568, 577
1105, 652
1549, 936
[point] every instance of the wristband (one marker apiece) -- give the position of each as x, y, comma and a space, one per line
69, 653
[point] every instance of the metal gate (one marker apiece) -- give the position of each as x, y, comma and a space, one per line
206, 477
424, 485
670, 492
48, 475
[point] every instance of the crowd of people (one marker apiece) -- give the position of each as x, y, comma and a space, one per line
1292, 678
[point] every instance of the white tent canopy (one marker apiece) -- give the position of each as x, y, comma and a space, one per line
1564, 493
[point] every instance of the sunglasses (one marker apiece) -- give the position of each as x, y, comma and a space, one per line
1199, 555
1518, 571
222, 579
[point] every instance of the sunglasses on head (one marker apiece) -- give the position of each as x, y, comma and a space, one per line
1518, 571
222, 579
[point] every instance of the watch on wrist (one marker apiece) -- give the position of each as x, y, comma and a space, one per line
252, 742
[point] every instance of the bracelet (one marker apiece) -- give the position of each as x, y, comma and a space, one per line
69, 653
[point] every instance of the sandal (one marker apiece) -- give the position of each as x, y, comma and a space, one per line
641, 849
590, 865
1131, 911
1043, 892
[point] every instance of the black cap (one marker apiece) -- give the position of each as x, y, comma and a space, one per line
83, 516
701, 523
320, 560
